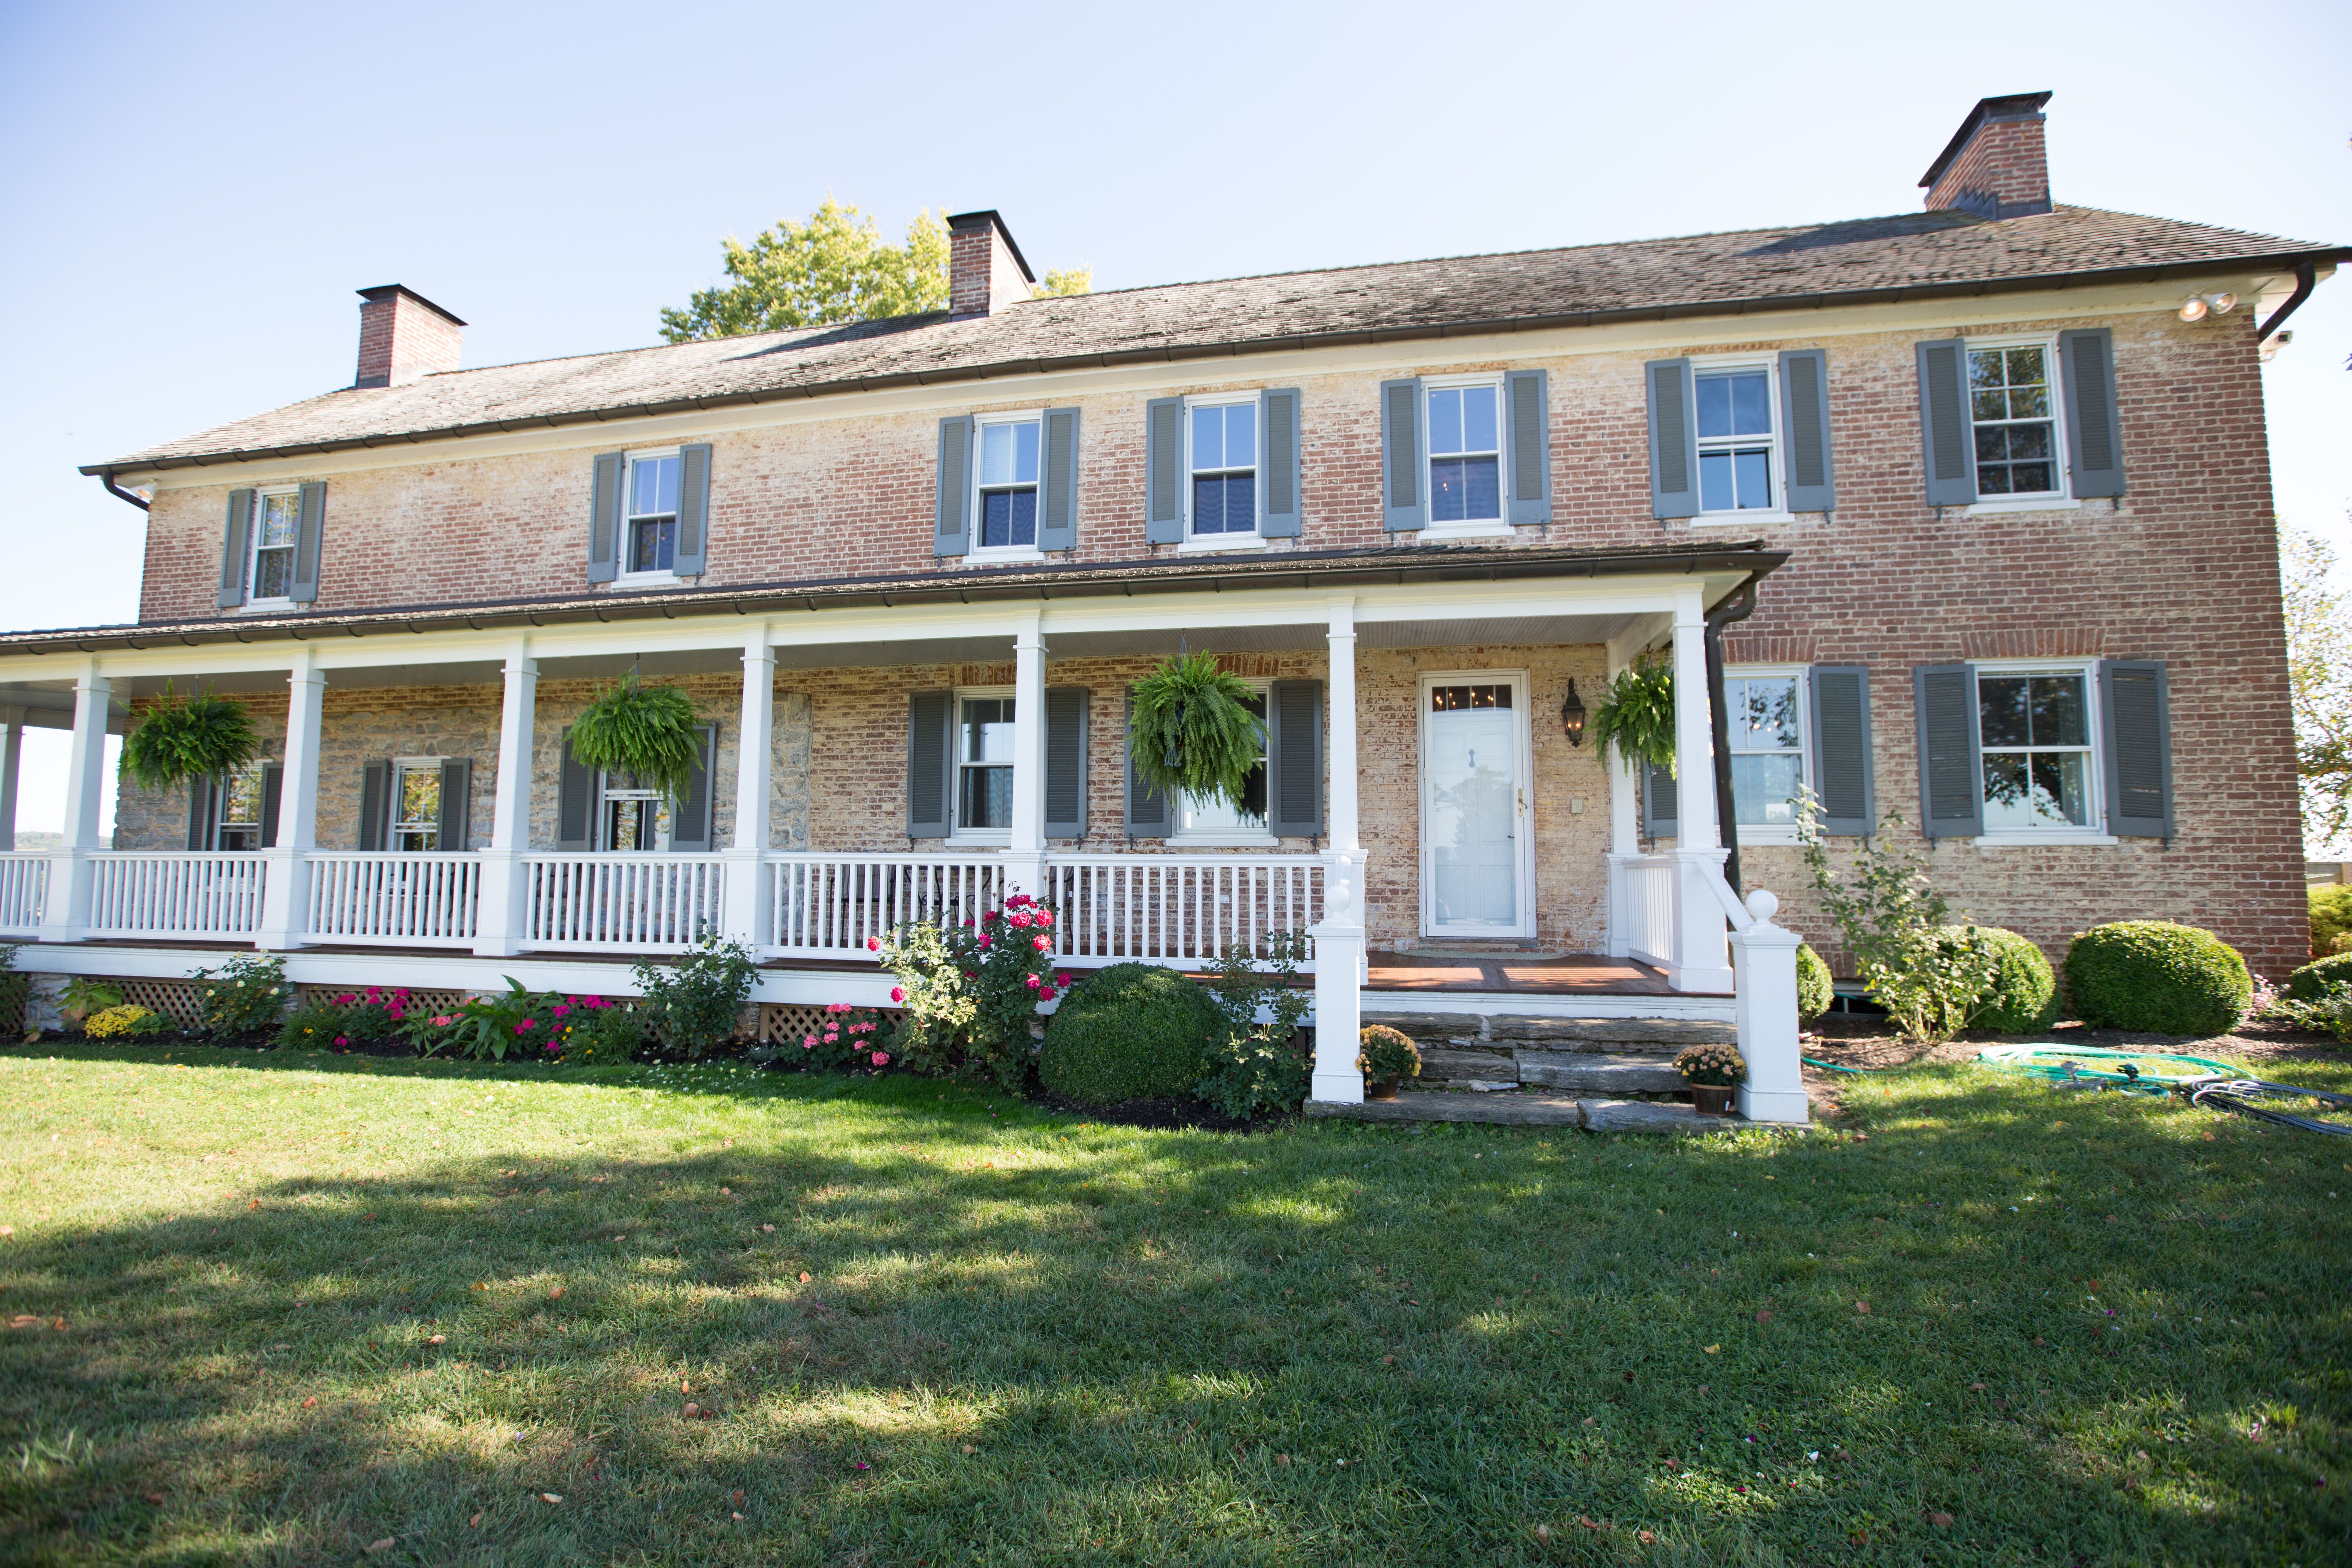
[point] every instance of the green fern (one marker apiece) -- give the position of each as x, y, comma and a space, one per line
203, 737
1637, 716
1191, 730
646, 731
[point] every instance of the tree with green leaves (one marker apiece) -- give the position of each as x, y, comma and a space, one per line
2319, 679
835, 268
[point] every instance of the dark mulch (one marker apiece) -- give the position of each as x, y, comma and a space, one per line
1167, 1115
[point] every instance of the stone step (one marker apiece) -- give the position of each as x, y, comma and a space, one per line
1528, 1109
1460, 1031
1592, 1070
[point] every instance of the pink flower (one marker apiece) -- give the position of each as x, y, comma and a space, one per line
810, 1041
833, 1040
986, 942
1019, 919
881, 1058
530, 1023
441, 1021
1042, 943
873, 944
1061, 980
897, 994
1032, 982
836, 1006
1045, 916
342, 1039
559, 1009
553, 1045
1047, 994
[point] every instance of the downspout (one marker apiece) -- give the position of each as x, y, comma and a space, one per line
117, 492
1737, 608
2307, 279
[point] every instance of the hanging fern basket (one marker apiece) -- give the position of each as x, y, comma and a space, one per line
648, 733
203, 737
1192, 729
1637, 716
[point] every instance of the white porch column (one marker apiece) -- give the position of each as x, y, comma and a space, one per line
1339, 938
1624, 827
500, 917
1025, 862
12, 753
1766, 957
748, 902
286, 865
65, 912
1702, 960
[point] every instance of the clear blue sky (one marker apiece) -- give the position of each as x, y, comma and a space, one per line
194, 192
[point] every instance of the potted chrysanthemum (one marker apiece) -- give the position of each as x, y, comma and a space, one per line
1387, 1057
1713, 1073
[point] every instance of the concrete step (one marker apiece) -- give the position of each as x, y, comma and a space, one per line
1527, 1108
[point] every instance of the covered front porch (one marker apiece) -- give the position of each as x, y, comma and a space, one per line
1577, 913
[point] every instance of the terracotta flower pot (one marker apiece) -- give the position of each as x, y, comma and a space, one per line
1712, 1099
1380, 1088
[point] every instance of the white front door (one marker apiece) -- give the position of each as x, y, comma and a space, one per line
1476, 871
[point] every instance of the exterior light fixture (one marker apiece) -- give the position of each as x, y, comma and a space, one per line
2222, 303
2192, 309
1572, 715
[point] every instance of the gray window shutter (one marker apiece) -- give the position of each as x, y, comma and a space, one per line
1841, 700
2136, 715
1661, 798
1805, 407
1530, 410
309, 531
1951, 773
1057, 481
200, 813
456, 805
1948, 441
952, 525
1294, 756
273, 785
693, 509
930, 764
2094, 441
1279, 508
575, 804
690, 819
1147, 808
604, 503
1066, 761
1404, 473
1674, 438
1163, 479
233, 538
375, 796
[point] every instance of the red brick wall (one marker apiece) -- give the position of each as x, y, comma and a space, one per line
2007, 160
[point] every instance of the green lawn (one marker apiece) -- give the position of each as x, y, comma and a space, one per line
310, 1305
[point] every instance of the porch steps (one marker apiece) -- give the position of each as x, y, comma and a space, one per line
1621, 1057
1528, 1109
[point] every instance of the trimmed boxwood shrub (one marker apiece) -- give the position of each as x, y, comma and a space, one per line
2157, 976
2331, 918
2023, 997
2307, 983
1134, 1031
1814, 992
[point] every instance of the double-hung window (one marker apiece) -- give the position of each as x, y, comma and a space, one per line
1736, 459
276, 525
2033, 730
1465, 451
238, 823
984, 765
649, 522
1005, 479
416, 805
1217, 820
1765, 714
1224, 468
2013, 409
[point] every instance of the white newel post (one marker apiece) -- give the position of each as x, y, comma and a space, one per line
12, 755
499, 918
65, 913
1703, 961
1624, 832
286, 865
747, 913
1339, 938
1024, 861
1766, 957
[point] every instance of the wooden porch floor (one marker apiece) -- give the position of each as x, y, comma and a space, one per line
1582, 973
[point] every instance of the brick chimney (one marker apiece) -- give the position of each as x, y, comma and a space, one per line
403, 336
1995, 166
985, 271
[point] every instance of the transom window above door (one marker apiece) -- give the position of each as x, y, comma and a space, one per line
276, 525
1007, 482
650, 524
1453, 699
2034, 731
2012, 408
1735, 439
1465, 452
1223, 444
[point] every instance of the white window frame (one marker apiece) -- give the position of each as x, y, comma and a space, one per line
599, 832
2063, 498
2092, 832
253, 548
627, 544
1776, 447
401, 768
1498, 526
1179, 802
1765, 832
1254, 539
977, 551
957, 831
220, 823
1524, 834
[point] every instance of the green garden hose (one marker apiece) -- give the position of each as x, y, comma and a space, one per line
2074, 1065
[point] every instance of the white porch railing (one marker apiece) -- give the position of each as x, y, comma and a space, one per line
403, 899
1184, 910
185, 893
1649, 903
23, 876
828, 905
621, 903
